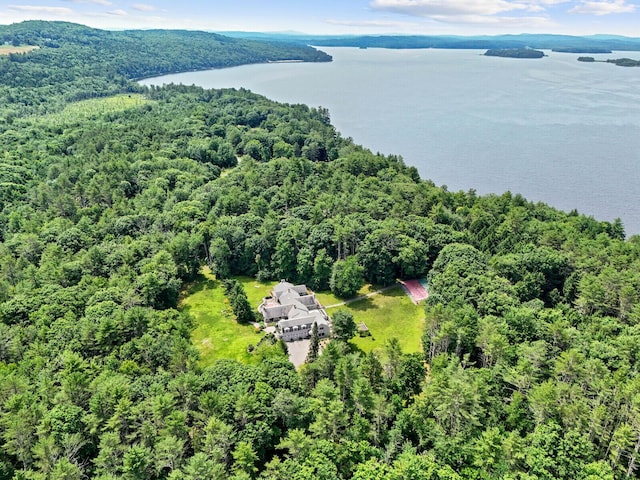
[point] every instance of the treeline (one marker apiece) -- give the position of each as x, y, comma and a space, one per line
559, 43
529, 367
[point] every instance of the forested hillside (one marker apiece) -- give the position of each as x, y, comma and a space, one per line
74, 62
110, 206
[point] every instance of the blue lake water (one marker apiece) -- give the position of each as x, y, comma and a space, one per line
553, 129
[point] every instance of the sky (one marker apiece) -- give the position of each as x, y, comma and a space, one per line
424, 17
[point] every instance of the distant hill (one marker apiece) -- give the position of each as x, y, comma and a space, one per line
154, 52
77, 60
567, 43
581, 50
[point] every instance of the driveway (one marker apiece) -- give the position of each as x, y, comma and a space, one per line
298, 351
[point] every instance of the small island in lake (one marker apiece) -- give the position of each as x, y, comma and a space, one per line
514, 53
624, 62
621, 62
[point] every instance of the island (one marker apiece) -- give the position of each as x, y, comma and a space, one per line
621, 62
514, 53
624, 62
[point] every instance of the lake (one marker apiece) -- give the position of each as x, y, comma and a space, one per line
553, 129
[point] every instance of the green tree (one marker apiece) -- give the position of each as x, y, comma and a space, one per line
343, 325
200, 467
137, 462
220, 258
322, 268
239, 301
314, 344
346, 277
245, 459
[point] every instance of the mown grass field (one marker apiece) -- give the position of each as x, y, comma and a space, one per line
8, 49
327, 298
216, 334
255, 290
387, 314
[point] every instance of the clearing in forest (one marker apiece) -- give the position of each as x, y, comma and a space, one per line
95, 107
389, 314
8, 49
217, 335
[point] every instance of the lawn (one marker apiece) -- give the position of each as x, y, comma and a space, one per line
255, 290
327, 298
217, 335
387, 314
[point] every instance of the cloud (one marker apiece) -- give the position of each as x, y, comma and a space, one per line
143, 7
41, 9
602, 8
430, 8
511, 14
495, 21
105, 3
118, 13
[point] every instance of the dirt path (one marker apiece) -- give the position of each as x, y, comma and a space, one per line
362, 297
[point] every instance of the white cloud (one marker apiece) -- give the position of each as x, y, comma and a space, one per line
430, 8
105, 3
41, 9
497, 21
118, 13
602, 8
143, 7
510, 14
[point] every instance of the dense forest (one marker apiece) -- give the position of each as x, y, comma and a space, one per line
110, 206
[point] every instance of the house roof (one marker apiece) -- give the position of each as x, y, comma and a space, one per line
283, 286
310, 318
292, 291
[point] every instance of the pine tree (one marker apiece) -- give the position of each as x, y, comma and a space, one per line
314, 345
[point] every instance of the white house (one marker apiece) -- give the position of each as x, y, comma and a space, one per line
294, 310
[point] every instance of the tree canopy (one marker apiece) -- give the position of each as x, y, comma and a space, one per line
109, 206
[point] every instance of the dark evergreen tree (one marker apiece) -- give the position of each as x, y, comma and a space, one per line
314, 345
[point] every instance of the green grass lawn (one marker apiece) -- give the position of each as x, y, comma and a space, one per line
388, 314
328, 298
217, 335
255, 290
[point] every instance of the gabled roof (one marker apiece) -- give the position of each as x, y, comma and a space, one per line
292, 291
308, 319
282, 287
